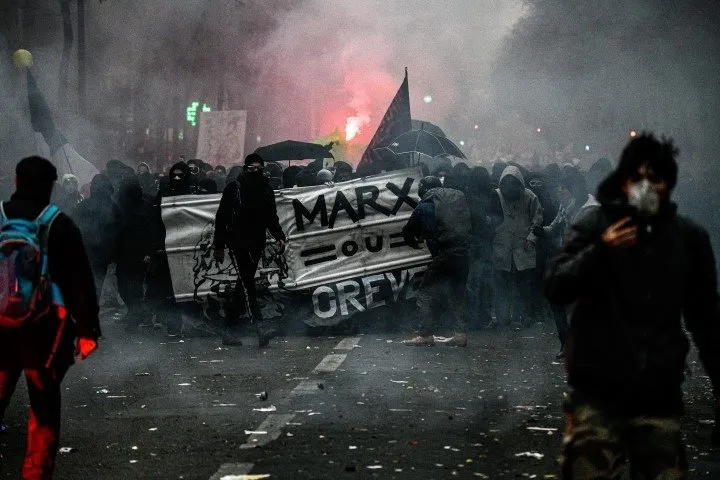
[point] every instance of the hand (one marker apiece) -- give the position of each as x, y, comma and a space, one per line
280, 245
529, 245
219, 254
147, 259
85, 346
620, 234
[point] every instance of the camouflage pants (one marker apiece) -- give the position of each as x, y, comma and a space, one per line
598, 445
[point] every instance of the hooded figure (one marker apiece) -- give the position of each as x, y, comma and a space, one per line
134, 248
517, 212
639, 278
179, 181
442, 220
246, 212
68, 196
97, 218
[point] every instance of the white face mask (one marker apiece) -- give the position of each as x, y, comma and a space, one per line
442, 181
644, 198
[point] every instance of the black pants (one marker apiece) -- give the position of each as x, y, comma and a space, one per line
442, 293
161, 294
131, 282
561, 323
513, 296
245, 294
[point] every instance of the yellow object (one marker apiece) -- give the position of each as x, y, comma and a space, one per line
22, 59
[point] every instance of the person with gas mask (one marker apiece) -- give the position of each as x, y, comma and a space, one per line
633, 269
443, 220
179, 181
516, 212
247, 210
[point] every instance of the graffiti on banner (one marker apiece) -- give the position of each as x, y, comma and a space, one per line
345, 252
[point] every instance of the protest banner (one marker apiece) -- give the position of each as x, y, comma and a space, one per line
221, 138
345, 252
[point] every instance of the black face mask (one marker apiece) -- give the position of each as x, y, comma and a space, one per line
511, 190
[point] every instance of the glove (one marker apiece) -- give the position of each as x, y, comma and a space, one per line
716, 428
85, 346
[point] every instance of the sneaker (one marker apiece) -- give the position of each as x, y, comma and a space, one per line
420, 341
457, 340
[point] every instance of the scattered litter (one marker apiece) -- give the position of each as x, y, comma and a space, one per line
262, 396
183, 384
352, 447
67, 449
547, 430
288, 434
271, 408
400, 410
374, 467
134, 447
133, 461
707, 422
103, 390
255, 432
143, 374
535, 455
321, 386
116, 396
153, 429
388, 341
225, 405
363, 373
314, 413
402, 382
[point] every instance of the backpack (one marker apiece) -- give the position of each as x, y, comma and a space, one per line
26, 291
452, 217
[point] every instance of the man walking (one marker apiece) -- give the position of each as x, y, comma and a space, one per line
42, 345
247, 210
442, 219
633, 268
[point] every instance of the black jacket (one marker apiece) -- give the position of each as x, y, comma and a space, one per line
627, 347
242, 218
98, 220
31, 345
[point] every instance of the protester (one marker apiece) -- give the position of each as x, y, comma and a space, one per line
633, 268
343, 172
441, 219
44, 348
480, 277
179, 181
143, 168
98, 219
68, 196
247, 209
517, 212
134, 249
273, 172
289, 176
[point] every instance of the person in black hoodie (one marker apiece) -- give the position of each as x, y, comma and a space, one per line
633, 269
134, 249
97, 218
247, 209
33, 349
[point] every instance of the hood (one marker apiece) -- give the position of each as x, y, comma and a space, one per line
181, 166
514, 171
143, 164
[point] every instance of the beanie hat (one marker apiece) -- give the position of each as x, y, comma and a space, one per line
324, 176
254, 158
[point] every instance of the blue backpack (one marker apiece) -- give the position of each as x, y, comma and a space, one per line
26, 291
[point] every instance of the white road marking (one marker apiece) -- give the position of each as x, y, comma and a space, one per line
305, 387
232, 469
273, 426
330, 363
348, 343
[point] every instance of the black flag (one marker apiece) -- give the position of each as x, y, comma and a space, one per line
395, 122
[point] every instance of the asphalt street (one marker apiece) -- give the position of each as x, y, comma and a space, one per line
146, 406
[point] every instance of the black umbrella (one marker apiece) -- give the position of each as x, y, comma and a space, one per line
292, 150
425, 143
428, 127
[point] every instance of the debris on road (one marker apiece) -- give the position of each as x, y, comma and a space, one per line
262, 395
67, 449
143, 374
548, 430
535, 455
255, 432
271, 408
